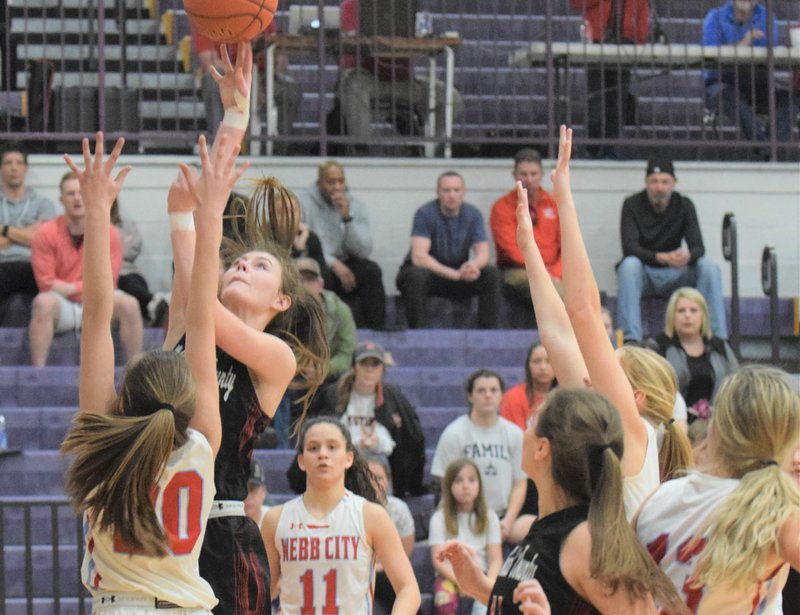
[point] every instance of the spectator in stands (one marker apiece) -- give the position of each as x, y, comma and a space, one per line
654, 225
22, 212
340, 328
367, 82
362, 399
463, 516
700, 360
342, 223
743, 92
254, 506
444, 233
546, 229
154, 307
610, 103
521, 402
400, 514
492, 442
57, 260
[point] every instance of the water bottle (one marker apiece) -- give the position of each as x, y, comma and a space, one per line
3, 437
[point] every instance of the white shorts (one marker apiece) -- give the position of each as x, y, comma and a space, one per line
70, 316
110, 603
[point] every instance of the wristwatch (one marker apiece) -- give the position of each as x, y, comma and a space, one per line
5, 230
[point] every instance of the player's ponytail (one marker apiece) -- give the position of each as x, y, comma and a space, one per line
358, 477
586, 443
755, 425
120, 457
268, 222
651, 374
118, 460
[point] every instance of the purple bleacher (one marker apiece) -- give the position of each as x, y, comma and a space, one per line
37, 427
423, 567
41, 519
24, 385
43, 567
47, 606
65, 349
33, 473
435, 419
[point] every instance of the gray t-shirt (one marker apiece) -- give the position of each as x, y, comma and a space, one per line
29, 209
496, 450
400, 515
437, 534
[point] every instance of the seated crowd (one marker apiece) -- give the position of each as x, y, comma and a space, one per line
585, 467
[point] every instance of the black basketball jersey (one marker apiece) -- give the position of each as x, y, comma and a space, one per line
242, 419
537, 557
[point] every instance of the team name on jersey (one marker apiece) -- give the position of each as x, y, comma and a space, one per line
518, 566
477, 450
226, 380
316, 548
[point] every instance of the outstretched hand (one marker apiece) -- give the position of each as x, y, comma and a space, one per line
560, 175
525, 239
98, 188
531, 598
465, 566
236, 79
212, 188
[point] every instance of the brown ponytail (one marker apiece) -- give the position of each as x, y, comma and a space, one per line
586, 440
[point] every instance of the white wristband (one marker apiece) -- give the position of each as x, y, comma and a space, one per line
182, 220
235, 119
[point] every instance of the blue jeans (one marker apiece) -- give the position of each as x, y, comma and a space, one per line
636, 280
739, 104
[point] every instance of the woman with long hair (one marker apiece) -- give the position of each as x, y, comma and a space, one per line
522, 401
144, 459
700, 360
323, 544
379, 411
654, 389
267, 329
581, 550
727, 535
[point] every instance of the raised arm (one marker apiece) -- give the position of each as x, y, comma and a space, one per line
389, 550
234, 89
582, 300
555, 329
98, 191
210, 191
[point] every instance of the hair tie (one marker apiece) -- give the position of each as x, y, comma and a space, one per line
165, 406
670, 422
769, 462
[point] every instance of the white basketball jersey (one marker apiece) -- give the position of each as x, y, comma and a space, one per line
667, 525
327, 567
635, 489
182, 501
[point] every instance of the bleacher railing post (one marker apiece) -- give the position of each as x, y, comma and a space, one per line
731, 254
769, 283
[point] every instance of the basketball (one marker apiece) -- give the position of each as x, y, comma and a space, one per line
231, 21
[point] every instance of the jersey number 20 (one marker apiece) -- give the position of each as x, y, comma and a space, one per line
330, 607
181, 509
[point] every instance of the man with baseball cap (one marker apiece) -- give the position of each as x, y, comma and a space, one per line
663, 250
340, 327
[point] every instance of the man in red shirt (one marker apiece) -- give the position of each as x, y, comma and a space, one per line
546, 228
57, 260
610, 103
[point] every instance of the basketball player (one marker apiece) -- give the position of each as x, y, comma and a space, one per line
322, 545
144, 461
261, 297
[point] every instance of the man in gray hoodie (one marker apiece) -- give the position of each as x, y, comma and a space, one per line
22, 211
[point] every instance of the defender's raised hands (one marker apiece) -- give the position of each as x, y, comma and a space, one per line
98, 188
213, 186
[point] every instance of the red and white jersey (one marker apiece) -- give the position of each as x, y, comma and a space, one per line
182, 500
327, 567
667, 525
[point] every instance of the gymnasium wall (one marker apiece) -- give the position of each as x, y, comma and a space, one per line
764, 197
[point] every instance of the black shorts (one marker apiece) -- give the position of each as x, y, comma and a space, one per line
234, 562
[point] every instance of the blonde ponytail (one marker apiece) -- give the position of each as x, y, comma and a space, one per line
756, 424
118, 461
653, 375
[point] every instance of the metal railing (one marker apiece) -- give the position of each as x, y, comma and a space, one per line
730, 251
41, 551
520, 68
